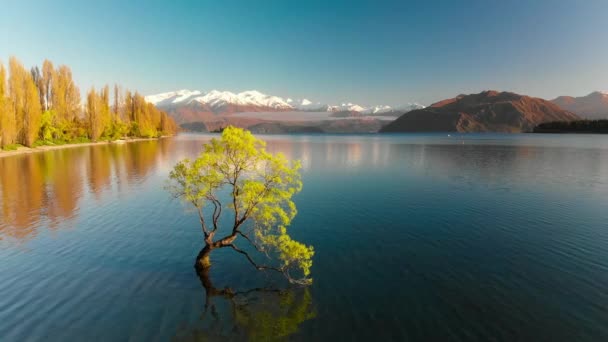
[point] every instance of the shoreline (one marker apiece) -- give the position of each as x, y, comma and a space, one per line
28, 150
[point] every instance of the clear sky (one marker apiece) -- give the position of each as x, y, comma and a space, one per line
369, 52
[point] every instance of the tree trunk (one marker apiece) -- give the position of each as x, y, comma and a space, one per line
210, 290
202, 259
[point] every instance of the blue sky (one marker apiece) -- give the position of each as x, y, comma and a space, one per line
369, 52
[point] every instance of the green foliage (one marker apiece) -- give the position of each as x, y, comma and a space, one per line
38, 143
117, 130
48, 130
59, 142
261, 186
148, 132
11, 147
134, 129
291, 253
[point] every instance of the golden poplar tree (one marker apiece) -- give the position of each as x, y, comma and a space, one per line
94, 108
48, 73
106, 115
7, 116
4, 124
129, 111
116, 109
32, 113
16, 82
65, 96
58, 93
72, 97
91, 112
25, 103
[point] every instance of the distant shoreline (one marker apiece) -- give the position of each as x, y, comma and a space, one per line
573, 127
28, 150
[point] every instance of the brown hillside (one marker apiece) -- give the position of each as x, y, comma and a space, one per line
488, 111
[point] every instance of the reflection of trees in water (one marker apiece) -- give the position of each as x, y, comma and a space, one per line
258, 314
22, 186
99, 169
333, 152
64, 186
49, 185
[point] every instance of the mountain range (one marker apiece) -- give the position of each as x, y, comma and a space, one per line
196, 106
488, 111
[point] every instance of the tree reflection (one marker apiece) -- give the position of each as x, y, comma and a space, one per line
99, 169
44, 189
21, 195
258, 314
65, 185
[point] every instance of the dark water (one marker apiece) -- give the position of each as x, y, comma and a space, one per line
417, 237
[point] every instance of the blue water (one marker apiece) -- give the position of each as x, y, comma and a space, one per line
419, 237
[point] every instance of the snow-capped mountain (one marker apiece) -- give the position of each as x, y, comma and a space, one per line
347, 107
187, 105
218, 99
307, 105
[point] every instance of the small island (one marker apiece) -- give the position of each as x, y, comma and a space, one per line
579, 126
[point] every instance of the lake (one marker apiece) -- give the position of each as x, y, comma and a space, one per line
417, 237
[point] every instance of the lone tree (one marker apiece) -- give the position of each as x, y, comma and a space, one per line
236, 172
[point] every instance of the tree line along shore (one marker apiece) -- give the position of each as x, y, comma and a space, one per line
43, 107
577, 126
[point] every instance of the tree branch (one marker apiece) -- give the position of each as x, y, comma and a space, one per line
201, 218
258, 267
217, 210
250, 241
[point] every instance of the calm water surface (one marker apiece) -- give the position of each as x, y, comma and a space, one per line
468, 237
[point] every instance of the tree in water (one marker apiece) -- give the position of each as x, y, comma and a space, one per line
236, 172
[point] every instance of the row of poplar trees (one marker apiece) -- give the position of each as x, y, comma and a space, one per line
44, 106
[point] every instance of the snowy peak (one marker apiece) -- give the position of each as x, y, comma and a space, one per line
171, 97
249, 100
307, 105
216, 98
347, 107
376, 110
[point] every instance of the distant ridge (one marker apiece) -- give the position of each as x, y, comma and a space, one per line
593, 106
488, 111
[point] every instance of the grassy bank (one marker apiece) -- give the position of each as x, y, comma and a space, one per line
16, 149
